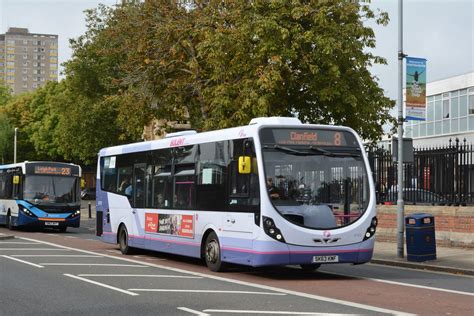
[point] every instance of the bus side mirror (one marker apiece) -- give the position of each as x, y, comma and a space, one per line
245, 165
16, 179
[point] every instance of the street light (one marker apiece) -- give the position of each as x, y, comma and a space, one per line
400, 202
14, 144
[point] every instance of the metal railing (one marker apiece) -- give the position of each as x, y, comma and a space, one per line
438, 175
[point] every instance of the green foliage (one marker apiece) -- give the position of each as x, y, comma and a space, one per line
6, 138
224, 62
216, 63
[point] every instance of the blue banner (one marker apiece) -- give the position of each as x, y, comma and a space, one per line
415, 88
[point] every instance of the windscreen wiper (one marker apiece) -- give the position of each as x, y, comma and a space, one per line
286, 149
325, 152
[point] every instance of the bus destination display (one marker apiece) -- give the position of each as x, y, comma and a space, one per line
308, 137
49, 170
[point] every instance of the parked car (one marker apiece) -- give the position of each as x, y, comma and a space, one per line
416, 196
88, 194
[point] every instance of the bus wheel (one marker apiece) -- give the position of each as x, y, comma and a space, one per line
310, 267
123, 240
212, 253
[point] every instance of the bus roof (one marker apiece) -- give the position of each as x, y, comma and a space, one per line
191, 137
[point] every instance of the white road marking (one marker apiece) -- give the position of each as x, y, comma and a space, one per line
114, 251
95, 264
254, 285
102, 284
192, 311
404, 284
142, 276
207, 291
270, 312
23, 261
19, 243
65, 256
70, 237
42, 249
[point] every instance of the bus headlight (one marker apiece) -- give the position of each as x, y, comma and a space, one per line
271, 230
76, 213
372, 228
26, 211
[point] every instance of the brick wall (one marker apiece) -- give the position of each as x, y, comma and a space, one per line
454, 226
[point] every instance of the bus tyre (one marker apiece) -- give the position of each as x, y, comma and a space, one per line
310, 267
123, 240
212, 253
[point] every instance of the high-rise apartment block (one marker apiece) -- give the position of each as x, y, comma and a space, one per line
27, 60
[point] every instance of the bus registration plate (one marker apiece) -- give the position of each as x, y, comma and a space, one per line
51, 223
323, 259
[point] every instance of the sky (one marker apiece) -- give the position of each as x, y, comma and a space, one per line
439, 30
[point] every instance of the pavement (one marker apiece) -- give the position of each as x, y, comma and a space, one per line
450, 260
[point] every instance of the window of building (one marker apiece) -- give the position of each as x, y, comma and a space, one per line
25, 42
25, 63
445, 108
455, 126
429, 129
471, 102
463, 124
430, 111
438, 128
437, 110
463, 108
455, 107
10, 42
10, 64
25, 78
446, 126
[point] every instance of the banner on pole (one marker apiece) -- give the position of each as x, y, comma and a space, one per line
415, 88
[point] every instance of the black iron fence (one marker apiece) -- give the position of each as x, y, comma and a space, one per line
438, 175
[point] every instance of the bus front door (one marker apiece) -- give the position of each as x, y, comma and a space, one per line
138, 198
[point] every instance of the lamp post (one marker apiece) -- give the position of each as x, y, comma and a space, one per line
400, 202
14, 144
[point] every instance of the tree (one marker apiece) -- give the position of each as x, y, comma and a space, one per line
6, 138
221, 63
225, 62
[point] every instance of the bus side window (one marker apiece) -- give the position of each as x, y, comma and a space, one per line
184, 187
244, 189
108, 174
162, 183
3, 185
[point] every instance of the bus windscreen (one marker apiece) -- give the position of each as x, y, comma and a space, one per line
50, 189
